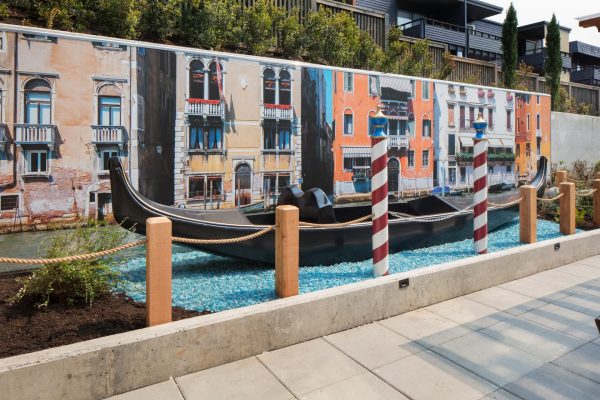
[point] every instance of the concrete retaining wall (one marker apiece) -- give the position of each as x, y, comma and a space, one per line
115, 364
575, 137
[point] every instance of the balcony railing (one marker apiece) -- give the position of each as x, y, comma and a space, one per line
444, 32
397, 141
105, 134
215, 108
35, 134
588, 75
276, 111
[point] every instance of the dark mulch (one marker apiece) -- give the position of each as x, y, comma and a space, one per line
24, 329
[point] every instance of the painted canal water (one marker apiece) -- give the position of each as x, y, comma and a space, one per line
203, 281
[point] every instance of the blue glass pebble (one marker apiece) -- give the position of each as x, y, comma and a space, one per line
203, 281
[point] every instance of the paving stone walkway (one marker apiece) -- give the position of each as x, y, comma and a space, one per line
529, 339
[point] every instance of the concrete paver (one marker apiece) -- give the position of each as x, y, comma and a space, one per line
501, 394
373, 345
505, 300
584, 361
554, 383
426, 375
545, 343
581, 302
244, 379
489, 358
468, 312
161, 391
308, 366
562, 319
359, 387
534, 288
529, 339
425, 327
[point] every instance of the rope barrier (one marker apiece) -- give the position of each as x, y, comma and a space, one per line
337, 225
551, 199
575, 181
42, 261
512, 203
587, 194
429, 218
224, 241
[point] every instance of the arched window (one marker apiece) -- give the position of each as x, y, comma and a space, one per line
538, 122
109, 106
410, 126
215, 85
348, 122
197, 75
269, 86
38, 102
393, 167
243, 184
426, 127
285, 88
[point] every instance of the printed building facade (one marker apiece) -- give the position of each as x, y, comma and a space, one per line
202, 129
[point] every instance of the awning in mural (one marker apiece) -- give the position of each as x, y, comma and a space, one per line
467, 141
398, 84
355, 152
398, 117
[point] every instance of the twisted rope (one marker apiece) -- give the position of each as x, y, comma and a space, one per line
224, 241
512, 203
586, 194
80, 257
337, 225
429, 218
575, 181
551, 199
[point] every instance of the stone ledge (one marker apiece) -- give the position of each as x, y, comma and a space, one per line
115, 364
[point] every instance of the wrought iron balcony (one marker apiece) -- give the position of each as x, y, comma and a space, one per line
106, 134
35, 134
276, 111
214, 108
397, 141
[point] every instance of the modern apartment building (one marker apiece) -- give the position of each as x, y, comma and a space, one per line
532, 47
585, 67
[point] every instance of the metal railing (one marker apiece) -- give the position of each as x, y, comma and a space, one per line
276, 111
397, 141
107, 134
34, 133
204, 107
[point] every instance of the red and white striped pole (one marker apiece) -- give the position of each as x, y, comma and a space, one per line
379, 194
480, 189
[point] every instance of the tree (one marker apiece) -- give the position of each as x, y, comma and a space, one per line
258, 26
509, 47
116, 18
157, 19
61, 14
290, 33
553, 65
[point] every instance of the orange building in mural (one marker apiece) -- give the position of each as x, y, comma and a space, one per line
409, 107
353, 101
533, 133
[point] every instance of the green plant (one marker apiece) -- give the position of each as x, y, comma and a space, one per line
290, 34
509, 47
61, 14
157, 18
4, 11
77, 282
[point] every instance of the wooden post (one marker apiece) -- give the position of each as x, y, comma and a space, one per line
287, 250
596, 209
158, 271
567, 208
560, 177
528, 214
598, 175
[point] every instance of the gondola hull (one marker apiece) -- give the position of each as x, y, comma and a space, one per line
438, 220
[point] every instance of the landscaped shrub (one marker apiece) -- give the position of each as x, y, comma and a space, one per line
77, 282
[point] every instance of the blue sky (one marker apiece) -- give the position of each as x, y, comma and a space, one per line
529, 11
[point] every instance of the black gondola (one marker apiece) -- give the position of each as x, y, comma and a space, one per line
418, 223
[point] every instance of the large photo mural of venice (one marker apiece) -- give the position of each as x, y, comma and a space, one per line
214, 130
